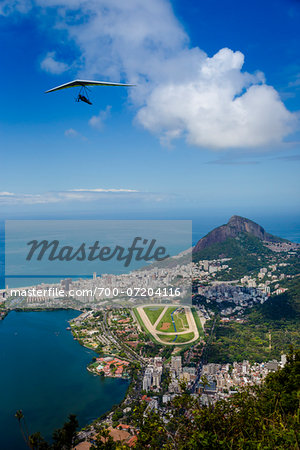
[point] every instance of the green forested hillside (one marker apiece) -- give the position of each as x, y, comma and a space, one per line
280, 308
242, 245
248, 254
267, 332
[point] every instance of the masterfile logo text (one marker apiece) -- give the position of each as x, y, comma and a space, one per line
90, 261
140, 249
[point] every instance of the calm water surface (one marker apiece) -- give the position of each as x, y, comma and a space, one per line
43, 372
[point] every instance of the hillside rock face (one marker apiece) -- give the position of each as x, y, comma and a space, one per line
235, 226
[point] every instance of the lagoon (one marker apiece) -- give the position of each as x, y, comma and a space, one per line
43, 373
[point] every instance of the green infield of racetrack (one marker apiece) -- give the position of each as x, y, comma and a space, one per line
153, 312
179, 319
144, 328
181, 338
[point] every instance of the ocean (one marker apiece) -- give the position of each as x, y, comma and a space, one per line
287, 227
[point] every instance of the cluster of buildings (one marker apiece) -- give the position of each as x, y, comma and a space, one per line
210, 383
129, 336
109, 286
239, 297
123, 433
206, 269
153, 374
223, 380
179, 375
214, 381
267, 280
175, 272
3, 314
283, 246
111, 367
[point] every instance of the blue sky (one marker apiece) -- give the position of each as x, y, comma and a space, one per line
211, 128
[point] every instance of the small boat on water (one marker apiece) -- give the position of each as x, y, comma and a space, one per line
68, 328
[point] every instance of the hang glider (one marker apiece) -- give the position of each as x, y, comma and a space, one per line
82, 84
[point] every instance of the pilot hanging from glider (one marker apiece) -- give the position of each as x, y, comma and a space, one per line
83, 92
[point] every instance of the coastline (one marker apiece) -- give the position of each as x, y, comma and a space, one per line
108, 414
108, 418
89, 368
99, 374
3, 314
90, 406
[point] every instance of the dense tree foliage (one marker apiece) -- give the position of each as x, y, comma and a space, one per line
265, 417
267, 332
62, 439
262, 417
248, 254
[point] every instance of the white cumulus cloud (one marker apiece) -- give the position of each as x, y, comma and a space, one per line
51, 65
74, 134
98, 120
218, 107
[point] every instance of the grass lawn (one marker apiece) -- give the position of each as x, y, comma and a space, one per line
142, 325
181, 339
153, 312
179, 319
185, 338
166, 337
198, 323
144, 328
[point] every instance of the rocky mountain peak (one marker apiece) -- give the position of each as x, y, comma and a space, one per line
235, 226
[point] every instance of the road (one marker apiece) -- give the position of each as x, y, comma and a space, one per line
203, 358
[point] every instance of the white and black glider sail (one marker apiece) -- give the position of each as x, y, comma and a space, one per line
83, 85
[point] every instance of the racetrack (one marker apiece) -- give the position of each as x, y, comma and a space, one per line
192, 327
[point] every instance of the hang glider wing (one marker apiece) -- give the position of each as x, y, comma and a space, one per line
81, 83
